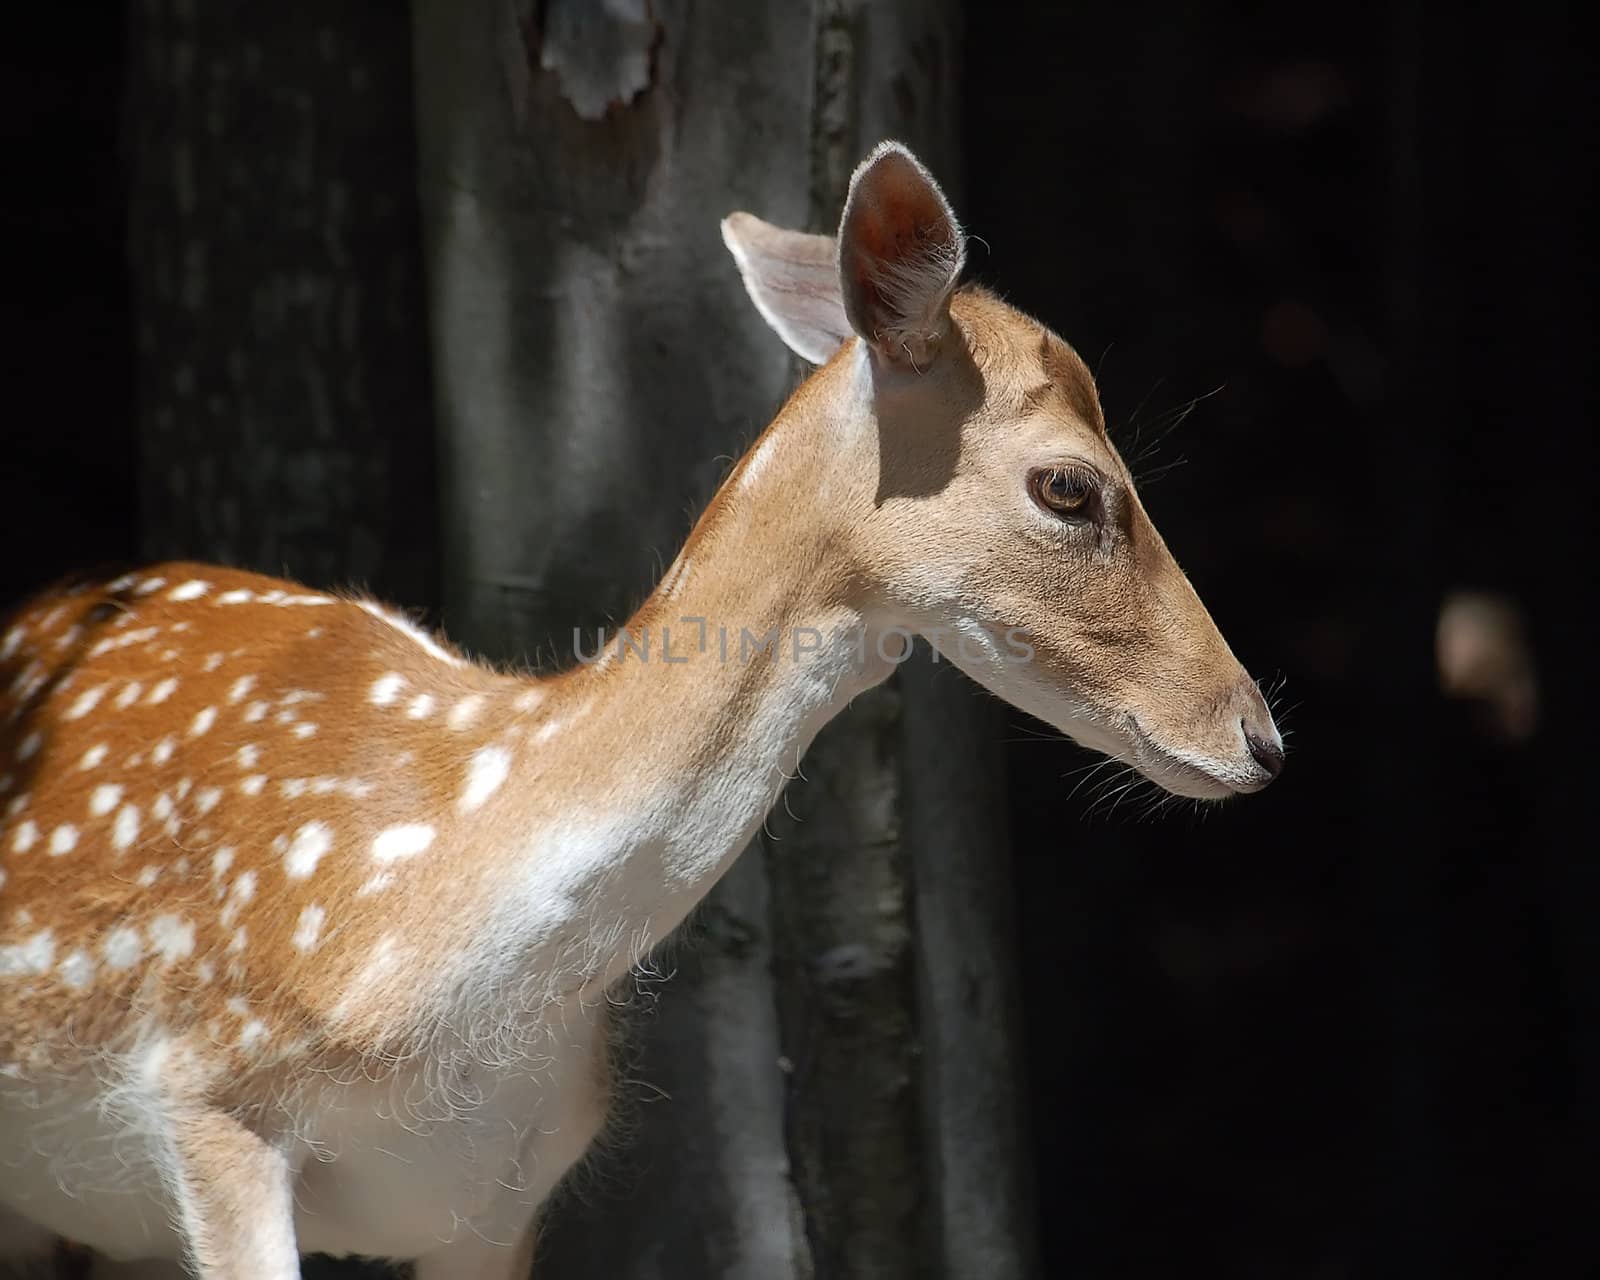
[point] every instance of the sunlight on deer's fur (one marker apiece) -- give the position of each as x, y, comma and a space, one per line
310, 926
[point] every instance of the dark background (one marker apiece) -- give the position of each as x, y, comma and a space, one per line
1348, 1028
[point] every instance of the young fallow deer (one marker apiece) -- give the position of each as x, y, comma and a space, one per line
306, 921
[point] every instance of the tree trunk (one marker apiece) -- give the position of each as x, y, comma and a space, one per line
814, 1092
597, 368
283, 392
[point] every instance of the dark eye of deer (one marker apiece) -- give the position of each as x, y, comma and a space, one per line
1062, 491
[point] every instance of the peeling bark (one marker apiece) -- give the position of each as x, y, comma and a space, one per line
602, 54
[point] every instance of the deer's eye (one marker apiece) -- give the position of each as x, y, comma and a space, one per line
1063, 491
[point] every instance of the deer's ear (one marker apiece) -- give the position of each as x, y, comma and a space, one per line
793, 280
900, 254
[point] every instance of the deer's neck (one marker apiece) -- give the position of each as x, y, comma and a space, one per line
647, 771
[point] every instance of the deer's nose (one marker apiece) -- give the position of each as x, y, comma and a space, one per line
1266, 748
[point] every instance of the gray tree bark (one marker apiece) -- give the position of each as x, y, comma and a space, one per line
598, 368
825, 1085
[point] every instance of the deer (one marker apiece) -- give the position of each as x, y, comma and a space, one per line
308, 921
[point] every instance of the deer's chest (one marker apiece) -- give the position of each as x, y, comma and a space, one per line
403, 1166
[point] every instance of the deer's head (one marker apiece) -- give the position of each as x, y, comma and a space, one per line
1002, 523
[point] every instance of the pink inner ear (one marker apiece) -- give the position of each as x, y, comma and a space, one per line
901, 216
896, 223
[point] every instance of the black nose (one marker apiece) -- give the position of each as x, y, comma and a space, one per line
1266, 753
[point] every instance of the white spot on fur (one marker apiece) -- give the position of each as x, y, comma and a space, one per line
255, 712
104, 799
386, 688
190, 590
94, 757
149, 585
26, 835
221, 860
148, 875
487, 769
162, 808
12, 641
205, 800
163, 691
465, 711
122, 948
548, 730
309, 929
248, 755
380, 960
254, 784
421, 706
304, 729
212, 662
77, 970
240, 689
163, 750
406, 841
171, 937
33, 956
203, 721
30, 745
63, 840
129, 695
310, 845
125, 830
238, 596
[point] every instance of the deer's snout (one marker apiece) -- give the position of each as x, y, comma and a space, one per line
1261, 737
1266, 747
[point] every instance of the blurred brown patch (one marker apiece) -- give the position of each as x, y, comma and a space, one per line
1483, 656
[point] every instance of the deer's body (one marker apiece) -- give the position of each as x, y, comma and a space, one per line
249, 890
307, 923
